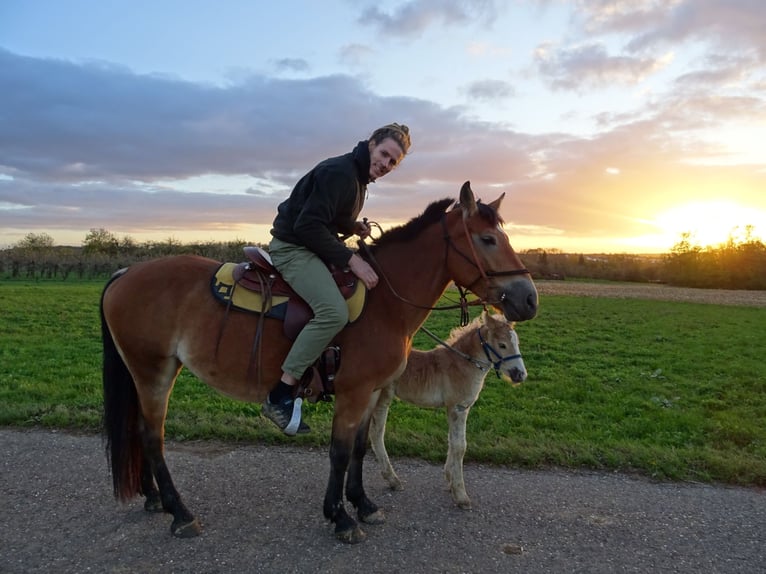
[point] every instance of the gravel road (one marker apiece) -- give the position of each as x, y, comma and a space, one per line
261, 512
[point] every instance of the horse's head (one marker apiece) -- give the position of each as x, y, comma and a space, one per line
501, 345
480, 258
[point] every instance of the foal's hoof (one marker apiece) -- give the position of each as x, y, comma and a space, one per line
186, 529
353, 535
377, 517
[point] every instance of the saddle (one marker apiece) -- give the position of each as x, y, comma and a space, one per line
256, 286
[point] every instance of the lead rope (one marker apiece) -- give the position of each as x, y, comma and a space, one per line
481, 365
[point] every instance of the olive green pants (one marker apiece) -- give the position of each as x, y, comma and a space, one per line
309, 276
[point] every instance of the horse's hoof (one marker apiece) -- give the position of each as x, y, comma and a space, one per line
377, 517
186, 529
463, 504
354, 535
153, 505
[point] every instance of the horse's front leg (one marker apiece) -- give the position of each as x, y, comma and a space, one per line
453, 468
367, 511
346, 528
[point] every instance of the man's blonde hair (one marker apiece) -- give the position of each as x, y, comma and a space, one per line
400, 133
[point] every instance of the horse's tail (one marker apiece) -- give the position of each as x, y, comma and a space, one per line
124, 449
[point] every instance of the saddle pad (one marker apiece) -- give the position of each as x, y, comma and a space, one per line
225, 289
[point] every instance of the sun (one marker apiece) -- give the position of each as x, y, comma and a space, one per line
711, 223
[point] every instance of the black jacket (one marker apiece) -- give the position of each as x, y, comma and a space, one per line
324, 204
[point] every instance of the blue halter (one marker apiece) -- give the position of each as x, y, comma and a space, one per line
490, 349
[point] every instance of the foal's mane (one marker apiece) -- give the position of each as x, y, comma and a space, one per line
491, 320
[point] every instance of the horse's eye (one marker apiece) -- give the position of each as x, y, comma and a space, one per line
489, 240
503, 346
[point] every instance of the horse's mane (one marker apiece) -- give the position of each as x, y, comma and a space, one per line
432, 214
489, 214
414, 226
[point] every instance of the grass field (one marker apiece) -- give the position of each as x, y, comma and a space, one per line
672, 390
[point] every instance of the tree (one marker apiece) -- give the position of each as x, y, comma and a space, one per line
101, 241
35, 242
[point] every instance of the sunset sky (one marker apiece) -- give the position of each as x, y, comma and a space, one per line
611, 126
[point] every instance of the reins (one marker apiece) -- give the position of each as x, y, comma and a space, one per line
462, 305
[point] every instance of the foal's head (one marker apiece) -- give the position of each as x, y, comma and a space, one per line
502, 347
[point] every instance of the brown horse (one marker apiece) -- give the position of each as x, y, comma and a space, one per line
451, 376
160, 315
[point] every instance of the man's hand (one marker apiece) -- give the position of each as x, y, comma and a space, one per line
362, 229
362, 269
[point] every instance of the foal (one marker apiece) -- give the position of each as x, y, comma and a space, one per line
451, 377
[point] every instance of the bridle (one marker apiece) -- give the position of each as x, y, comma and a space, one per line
473, 259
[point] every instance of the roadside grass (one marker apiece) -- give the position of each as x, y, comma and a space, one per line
676, 391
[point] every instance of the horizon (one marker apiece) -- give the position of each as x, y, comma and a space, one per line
611, 128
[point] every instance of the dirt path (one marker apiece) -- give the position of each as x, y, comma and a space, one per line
261, 512
653, 291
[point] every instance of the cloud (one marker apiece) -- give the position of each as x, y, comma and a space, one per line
412, 18
355, 55
489, 90
591, 66
292, 65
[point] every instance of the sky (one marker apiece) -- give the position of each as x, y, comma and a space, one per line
611, 126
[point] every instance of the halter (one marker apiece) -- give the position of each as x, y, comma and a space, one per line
500, 359
478, 363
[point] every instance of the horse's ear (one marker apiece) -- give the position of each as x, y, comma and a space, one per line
467, 200
496, 204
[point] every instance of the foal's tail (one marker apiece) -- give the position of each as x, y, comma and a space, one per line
121, 416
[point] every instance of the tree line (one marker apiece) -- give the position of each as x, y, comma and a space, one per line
739, 263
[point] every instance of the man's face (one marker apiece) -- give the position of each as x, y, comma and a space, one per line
384, 157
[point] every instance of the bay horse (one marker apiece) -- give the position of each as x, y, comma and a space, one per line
451, 376
160, 315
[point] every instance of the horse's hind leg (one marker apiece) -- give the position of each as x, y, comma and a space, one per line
377, 438
153, 502
184, 525
453, 468
154, 403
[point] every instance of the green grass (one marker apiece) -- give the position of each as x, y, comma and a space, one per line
672, 390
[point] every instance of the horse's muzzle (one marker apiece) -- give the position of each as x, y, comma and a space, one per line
517, 300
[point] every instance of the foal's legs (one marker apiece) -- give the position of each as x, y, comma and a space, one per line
377, 437
453, 467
